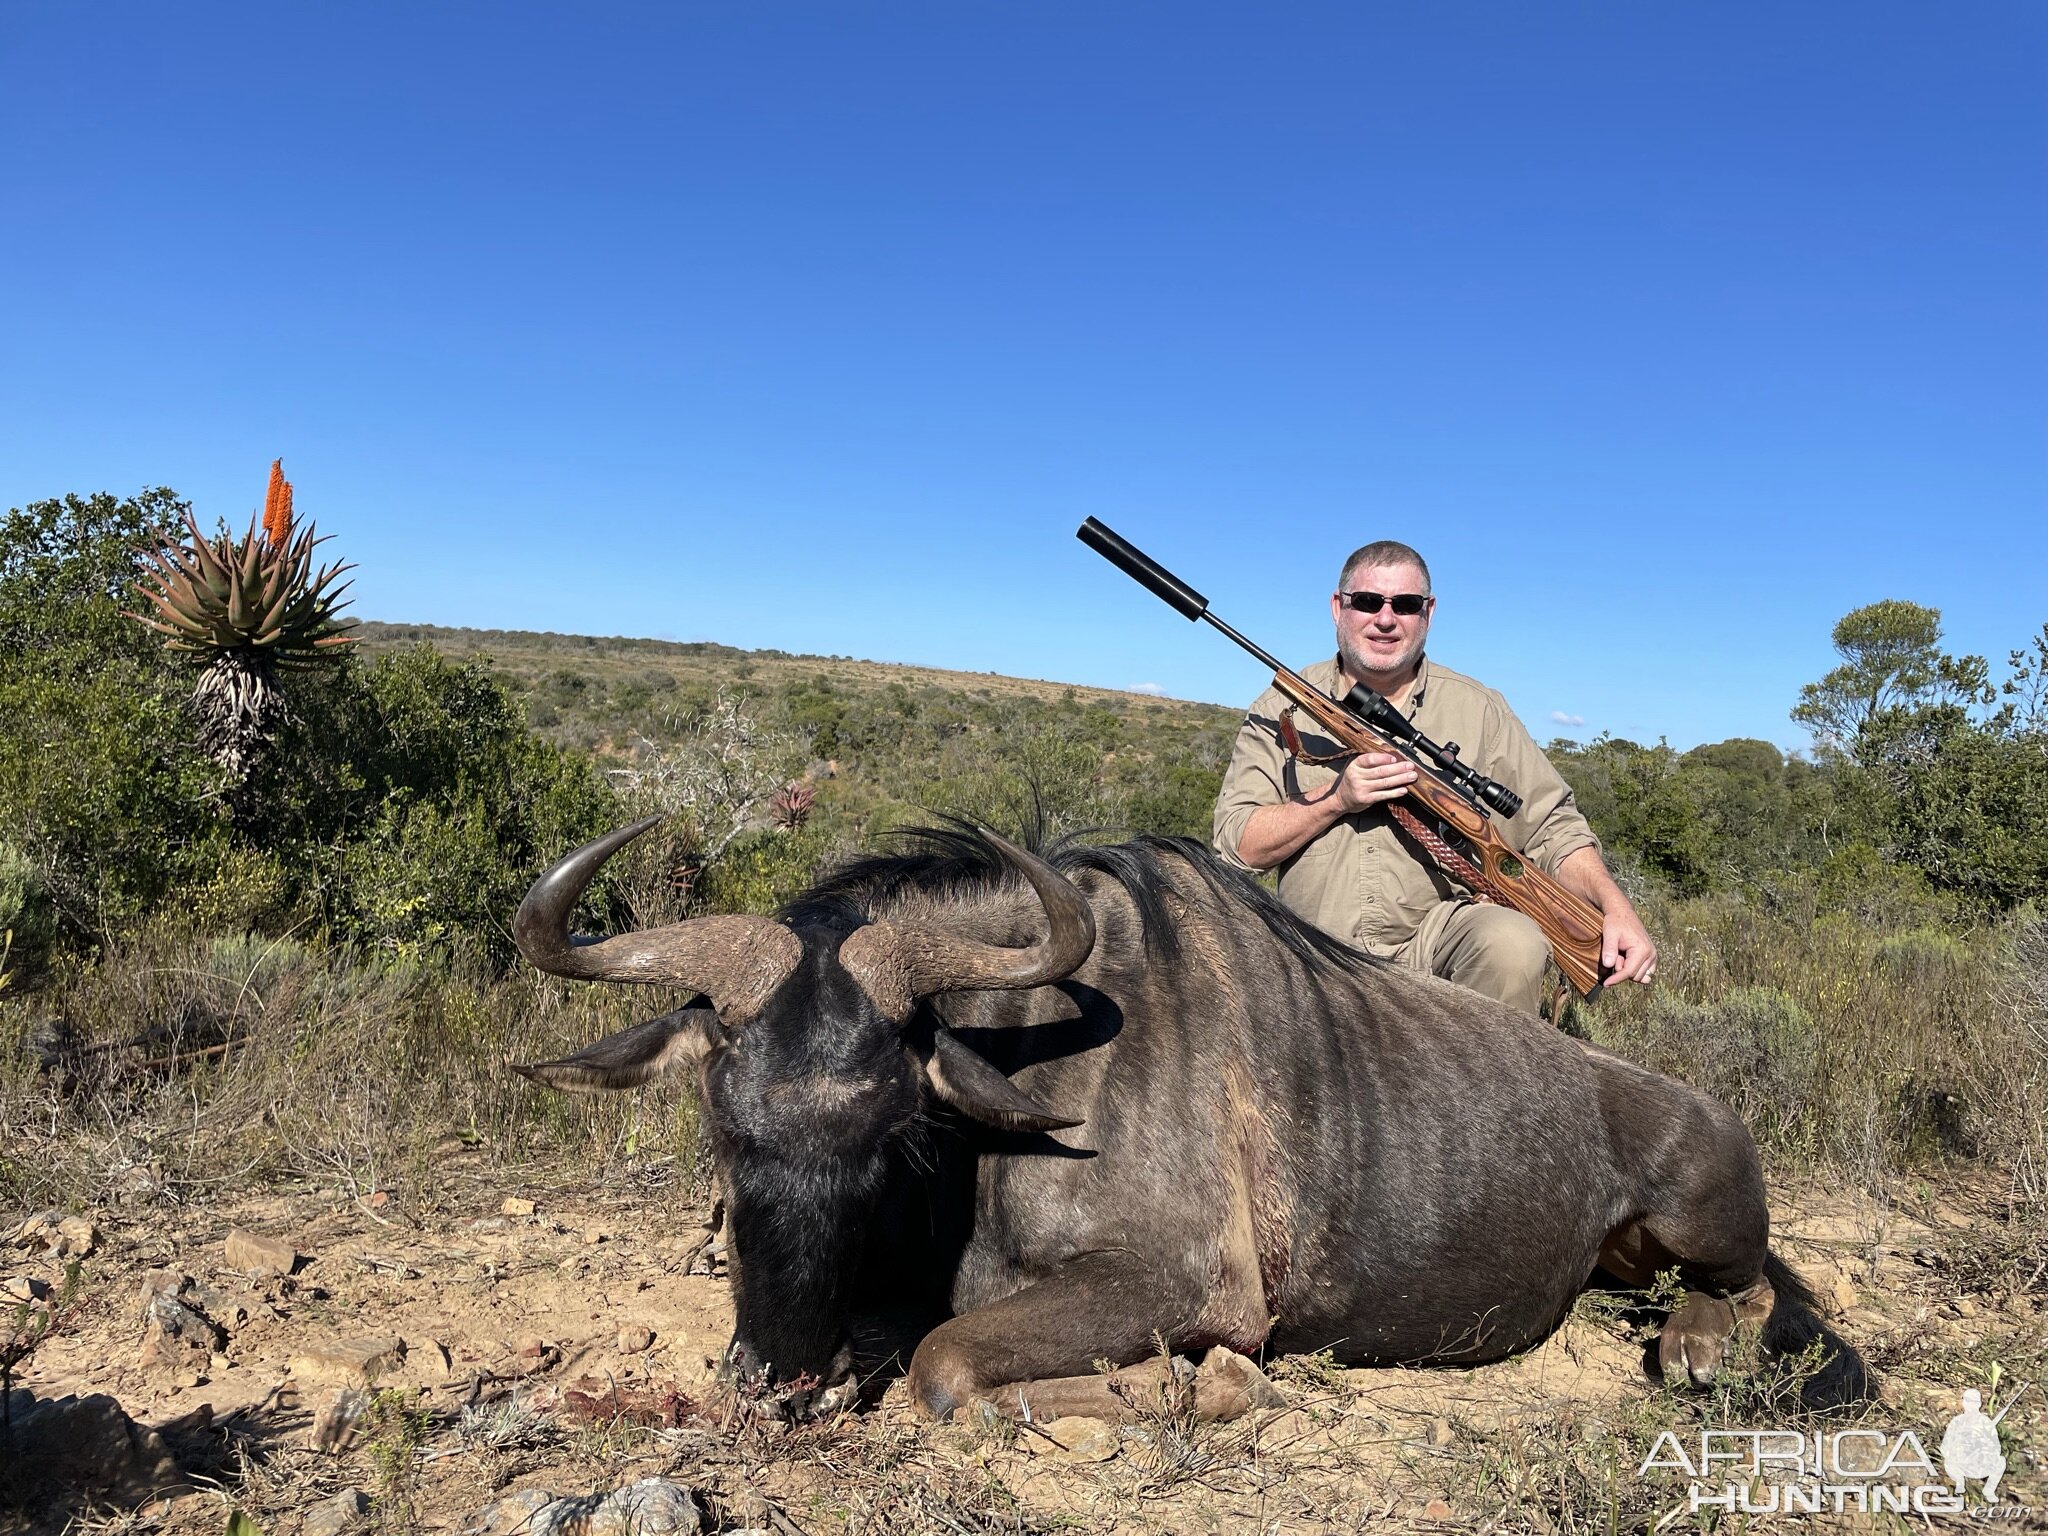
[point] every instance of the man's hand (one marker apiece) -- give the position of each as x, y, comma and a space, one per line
1625, 946
1373, 777
1275, 832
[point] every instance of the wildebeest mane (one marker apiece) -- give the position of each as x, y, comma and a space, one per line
953, 862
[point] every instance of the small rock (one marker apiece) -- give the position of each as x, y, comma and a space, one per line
27, 1288
1843, 1293
177, 1338
228, 1312
39, 1231
595, 1235
76, 1237
330, 1517
1436, 1509
635, 1338
338, 1420
1965, 1307
653, 1506
1440, 1432
536, 1354
515, 1205
1074, 1439
254, 1254
161, 1282
427, 1361
350, 1362
512, 1514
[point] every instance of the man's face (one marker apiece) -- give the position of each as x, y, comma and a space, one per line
1382, 645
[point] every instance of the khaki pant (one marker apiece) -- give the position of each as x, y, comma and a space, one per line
1488, 948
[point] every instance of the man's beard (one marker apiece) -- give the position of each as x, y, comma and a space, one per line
1362, 670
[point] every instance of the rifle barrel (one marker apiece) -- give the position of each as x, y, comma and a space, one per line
1159, 581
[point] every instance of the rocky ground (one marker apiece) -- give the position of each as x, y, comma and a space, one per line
315, 1364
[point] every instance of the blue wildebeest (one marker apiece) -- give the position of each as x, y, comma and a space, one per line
1036, 1113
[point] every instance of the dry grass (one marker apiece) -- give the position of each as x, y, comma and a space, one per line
1867, 1047
179, 1066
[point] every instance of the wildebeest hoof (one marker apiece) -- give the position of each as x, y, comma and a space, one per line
1695, 1339
837, 1399
806, 1399
1228, 1385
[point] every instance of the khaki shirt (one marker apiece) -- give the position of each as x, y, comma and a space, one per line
1363, 880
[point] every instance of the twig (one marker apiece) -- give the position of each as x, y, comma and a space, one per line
202, 1053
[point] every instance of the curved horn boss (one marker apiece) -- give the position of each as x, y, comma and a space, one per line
735, 961
896, 963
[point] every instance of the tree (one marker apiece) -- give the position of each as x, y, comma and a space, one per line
66, 567
1923, 766
1891, 658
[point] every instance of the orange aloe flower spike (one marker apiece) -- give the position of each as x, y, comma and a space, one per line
277, 505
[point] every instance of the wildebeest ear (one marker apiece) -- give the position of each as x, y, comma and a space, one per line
968, 1083
632, 1056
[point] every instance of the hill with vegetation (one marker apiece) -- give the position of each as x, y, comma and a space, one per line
876, 744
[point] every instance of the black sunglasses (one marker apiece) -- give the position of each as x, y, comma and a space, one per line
1406, 604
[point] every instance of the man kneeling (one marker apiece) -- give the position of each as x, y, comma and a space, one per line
1345, 863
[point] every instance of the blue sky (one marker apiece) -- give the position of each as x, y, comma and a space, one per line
1669, 333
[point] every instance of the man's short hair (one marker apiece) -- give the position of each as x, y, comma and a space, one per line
1384, 552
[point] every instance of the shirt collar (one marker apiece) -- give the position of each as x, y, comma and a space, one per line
1415, 694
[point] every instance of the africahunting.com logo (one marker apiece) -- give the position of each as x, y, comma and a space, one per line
1790, 1471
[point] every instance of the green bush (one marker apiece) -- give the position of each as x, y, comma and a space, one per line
1756, 1049
25, 910
760, 871
102, 789
424, 807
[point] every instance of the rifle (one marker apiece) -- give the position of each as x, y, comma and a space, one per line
1467, 843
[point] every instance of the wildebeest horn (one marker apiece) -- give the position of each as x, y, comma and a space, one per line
736, 961
897, 963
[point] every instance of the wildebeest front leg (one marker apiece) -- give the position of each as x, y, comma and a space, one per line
1036, 1351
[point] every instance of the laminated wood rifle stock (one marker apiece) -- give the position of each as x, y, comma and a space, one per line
1461, 800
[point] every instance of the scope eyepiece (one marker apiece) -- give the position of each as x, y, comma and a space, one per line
1498, 796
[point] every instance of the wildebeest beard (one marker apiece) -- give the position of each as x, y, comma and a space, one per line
802, 1112
795, 1229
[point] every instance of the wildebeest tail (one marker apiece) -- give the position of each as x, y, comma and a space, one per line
1795, 1326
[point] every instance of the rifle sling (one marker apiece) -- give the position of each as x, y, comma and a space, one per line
1446, 858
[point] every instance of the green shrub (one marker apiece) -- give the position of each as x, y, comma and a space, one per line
760, 871
427, 807
25, 910
1921, 956
1757, 1050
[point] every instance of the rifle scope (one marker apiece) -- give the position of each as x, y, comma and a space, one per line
1371, 708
